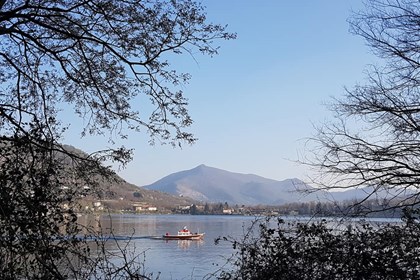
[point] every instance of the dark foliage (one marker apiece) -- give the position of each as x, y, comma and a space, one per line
280, 249
38, 234
40, 237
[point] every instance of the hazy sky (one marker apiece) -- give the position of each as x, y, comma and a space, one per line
255, 103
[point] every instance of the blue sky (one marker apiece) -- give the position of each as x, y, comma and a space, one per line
255, 103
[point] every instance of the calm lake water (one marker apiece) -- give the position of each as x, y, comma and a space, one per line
174, 259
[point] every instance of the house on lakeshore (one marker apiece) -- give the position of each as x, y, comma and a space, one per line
143, 207
97, 206
229, 211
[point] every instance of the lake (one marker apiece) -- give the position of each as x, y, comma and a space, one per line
179, 259
175, 259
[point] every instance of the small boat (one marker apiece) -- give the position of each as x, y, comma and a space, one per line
184, 234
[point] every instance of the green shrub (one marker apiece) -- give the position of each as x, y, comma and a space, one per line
326, 250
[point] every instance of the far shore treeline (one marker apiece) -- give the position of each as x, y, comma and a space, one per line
381, 208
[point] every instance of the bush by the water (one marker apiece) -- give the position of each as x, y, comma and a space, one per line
325, 250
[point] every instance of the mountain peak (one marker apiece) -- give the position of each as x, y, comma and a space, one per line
210, 184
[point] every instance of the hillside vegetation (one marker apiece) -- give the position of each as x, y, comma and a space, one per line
116, 194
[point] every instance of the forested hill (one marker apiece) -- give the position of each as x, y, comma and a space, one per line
118, 194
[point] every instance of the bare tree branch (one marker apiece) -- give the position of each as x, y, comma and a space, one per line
375, 139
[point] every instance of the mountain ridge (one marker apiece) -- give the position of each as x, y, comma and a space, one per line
209, 184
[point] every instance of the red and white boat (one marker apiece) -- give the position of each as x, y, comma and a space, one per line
184, 234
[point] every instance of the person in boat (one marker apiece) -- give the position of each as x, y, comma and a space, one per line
185, 229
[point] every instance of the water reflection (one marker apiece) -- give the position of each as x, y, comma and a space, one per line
186, 244
174, 259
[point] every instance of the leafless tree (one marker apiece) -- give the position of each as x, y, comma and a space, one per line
374, 142
106, 61
99, 57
